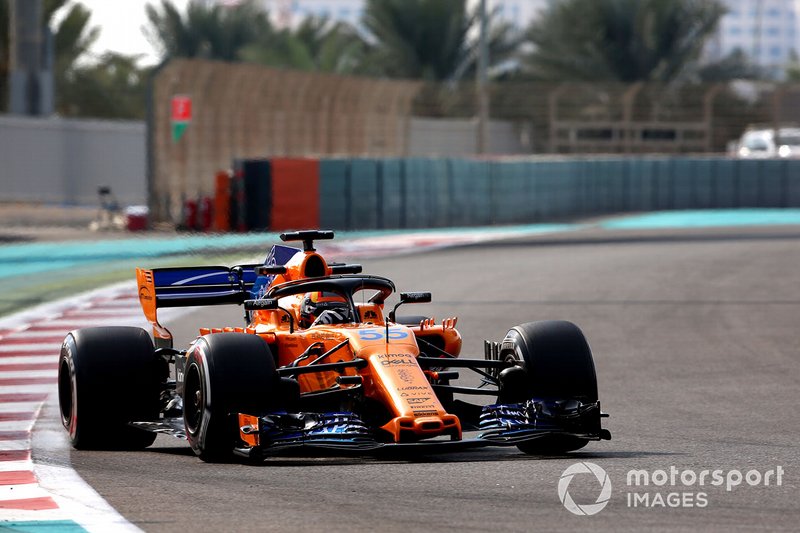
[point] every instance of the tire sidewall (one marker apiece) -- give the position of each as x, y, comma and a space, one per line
236, 373
112, 374
197, 363
556, 357
66, 364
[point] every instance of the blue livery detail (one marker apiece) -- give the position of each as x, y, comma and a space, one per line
279, 255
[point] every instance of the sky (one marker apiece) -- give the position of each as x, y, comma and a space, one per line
120, 23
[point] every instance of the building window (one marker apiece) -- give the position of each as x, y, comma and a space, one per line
776, 52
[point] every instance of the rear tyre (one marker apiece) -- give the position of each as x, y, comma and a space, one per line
107, 378
558, 366
225, 374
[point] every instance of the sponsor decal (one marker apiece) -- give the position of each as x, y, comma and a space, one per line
417, 400
398, 362
405, 375
317, 336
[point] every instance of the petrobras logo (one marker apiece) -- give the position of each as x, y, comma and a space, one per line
584, 469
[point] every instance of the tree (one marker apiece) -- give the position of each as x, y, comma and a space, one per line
72, 38
4, 54
621, 40
734, 66
428, 39
207, 30
316, 44
114, 88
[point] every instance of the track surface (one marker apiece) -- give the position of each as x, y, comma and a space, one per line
695, 338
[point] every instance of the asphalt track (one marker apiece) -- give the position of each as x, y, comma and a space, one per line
695, 339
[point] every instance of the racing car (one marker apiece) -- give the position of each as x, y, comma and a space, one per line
322, 363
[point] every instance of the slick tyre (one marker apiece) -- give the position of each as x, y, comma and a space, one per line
225, 374
558, 365
107, 378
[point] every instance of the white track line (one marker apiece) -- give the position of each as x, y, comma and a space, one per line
55, 492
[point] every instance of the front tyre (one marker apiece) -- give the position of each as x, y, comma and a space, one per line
225, 374
107, 378
558, 366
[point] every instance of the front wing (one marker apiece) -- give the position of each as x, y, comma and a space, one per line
500, 425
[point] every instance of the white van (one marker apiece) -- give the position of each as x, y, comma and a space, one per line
762, 144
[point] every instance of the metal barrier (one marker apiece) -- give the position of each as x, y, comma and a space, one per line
422, 193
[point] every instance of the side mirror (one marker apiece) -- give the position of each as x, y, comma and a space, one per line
415, 297
410, 298
345, 269
264, 304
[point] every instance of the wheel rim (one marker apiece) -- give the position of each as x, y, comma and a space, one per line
193, 399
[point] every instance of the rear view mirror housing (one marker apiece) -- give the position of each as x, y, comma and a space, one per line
263, 304
410, 298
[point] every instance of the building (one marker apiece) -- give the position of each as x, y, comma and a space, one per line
291, 12
766, 31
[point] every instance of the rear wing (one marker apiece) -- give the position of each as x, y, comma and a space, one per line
202, 285
191, 286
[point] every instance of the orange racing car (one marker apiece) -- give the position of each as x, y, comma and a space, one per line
322, 362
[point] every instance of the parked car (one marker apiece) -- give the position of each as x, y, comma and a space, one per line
763, 143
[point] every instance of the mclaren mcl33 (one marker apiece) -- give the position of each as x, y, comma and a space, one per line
322, 363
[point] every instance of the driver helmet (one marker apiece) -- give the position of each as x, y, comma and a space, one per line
323, 308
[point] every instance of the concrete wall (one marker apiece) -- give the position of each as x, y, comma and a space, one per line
459, 137
64, 161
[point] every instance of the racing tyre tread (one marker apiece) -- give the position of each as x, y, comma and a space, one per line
225, 373
559, 365
108, 377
